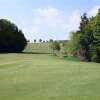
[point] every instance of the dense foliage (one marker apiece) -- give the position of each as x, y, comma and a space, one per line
55, 46
11, 38
85, 43
72, 45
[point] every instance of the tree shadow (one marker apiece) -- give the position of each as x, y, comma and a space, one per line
23, 53
34, 53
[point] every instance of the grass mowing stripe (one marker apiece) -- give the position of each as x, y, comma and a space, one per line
44, 77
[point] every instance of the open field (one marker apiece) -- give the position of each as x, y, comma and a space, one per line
44, 77
38, 48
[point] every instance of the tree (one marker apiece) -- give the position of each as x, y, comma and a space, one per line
11, 38
73, 44
35, 40
83, 23
51, 40
43, 41
40, 40
96, 41
86, 41
55, 46
85, 38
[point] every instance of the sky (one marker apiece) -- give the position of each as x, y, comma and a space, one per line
47, 19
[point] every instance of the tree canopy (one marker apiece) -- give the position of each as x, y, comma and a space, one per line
11, 38
87, 38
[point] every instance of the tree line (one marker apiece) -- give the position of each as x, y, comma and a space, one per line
85, 42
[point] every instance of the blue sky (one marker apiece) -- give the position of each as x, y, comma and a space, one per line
47, 18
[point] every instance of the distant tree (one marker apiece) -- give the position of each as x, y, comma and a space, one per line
40, 40
35, 40
51, 40
56, 45
44, 41
11, 38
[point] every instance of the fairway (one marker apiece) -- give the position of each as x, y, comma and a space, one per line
45, 77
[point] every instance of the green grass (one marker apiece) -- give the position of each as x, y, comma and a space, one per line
38, 48
44, 77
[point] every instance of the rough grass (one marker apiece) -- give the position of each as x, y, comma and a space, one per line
44, 77
38, 48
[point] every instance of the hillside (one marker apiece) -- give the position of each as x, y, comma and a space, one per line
38, 48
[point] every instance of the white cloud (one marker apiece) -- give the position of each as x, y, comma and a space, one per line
74, 20
53, 23
94, 11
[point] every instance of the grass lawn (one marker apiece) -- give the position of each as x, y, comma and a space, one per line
44, 77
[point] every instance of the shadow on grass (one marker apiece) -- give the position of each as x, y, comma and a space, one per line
23, 53
34, 53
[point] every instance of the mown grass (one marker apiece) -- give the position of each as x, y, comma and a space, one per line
44, 77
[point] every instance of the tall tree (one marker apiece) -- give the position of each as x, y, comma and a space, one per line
84, 37
96, 40
88, 38
83, 23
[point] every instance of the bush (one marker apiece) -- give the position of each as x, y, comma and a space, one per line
55, 46
96, 57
